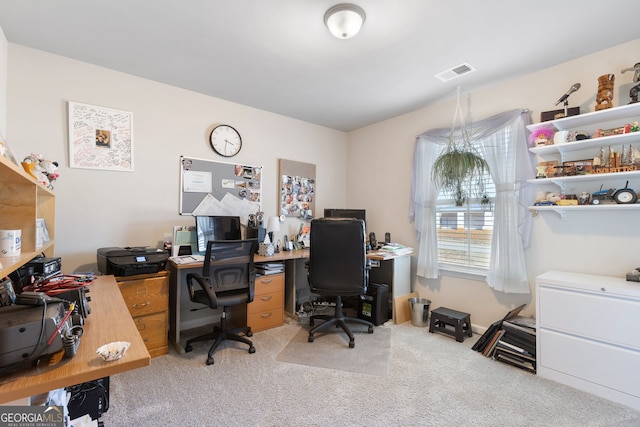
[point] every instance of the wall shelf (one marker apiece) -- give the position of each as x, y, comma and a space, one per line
581, 120
562, 210
23, 200
608, 118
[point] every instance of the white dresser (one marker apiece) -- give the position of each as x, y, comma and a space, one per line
588, 334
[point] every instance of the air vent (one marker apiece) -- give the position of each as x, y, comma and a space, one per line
455, 72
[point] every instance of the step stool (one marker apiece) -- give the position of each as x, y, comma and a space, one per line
443, 317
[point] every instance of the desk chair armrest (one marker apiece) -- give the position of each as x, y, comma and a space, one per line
205, 284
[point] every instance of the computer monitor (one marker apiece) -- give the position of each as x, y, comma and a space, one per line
216, 228
346, 213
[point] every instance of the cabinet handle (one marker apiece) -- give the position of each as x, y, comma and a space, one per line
266, 280
267, 298
266, 315
141, 305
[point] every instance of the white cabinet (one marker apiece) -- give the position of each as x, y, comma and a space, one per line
588, 149
587, 334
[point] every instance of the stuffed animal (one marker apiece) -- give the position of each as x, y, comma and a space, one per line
44, 171
553, 197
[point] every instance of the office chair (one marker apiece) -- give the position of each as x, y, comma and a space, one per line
227, 279
338, 267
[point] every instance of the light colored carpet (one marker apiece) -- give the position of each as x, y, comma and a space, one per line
432, 381
330, 350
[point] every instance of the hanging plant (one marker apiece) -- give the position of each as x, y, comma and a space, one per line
459, 163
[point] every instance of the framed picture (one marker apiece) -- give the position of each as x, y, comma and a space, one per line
545, 116
100, 138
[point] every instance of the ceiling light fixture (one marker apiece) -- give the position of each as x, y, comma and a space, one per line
344, 20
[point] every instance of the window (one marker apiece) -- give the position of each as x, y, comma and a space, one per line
464, 232
502, 142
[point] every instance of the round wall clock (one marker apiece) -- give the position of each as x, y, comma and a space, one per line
225, 140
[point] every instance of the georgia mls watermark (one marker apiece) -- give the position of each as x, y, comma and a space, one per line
31, 416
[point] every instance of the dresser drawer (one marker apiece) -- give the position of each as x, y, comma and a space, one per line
601, 316
145, 296
153, 329
264, 302
596, 362
266, 319
269, 284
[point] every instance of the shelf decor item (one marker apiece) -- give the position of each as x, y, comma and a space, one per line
604, 97
460, 167
542, 136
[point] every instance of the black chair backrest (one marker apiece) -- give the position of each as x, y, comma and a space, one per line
337, 257
229, 263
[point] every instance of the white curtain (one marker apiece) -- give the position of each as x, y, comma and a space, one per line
503, 143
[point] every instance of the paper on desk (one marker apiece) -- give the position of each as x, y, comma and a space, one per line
187, 259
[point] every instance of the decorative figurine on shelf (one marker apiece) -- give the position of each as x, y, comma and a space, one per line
604, 97
633, 92
42, 170
541, 137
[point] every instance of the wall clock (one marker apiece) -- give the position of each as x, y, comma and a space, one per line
225, 140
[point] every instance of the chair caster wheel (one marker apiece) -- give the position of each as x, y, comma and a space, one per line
370, 329
310, 339
352, 344
210, 361
187, 349
249, 334
252, 350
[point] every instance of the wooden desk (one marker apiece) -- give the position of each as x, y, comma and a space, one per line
108, 321
181, 315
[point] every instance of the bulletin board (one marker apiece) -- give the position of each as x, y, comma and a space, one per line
209, 187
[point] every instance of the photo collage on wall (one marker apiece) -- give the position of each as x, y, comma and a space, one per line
297, 195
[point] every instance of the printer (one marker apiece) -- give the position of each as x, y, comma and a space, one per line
130, 261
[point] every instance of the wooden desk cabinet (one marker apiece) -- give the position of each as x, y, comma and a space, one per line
267, 309
147, 298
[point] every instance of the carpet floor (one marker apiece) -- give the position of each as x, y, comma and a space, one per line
432, 380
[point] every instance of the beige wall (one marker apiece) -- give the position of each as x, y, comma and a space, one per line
380, 158
102, 209
3, 85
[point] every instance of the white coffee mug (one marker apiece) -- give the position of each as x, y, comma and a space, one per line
10, 242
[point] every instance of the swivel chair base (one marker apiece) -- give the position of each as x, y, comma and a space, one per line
339, 320
220, 334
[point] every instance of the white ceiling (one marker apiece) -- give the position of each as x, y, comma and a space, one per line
278, 56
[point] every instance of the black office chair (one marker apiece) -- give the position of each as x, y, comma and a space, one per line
338, 267
227, 279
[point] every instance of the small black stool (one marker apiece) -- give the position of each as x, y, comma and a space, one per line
443, 317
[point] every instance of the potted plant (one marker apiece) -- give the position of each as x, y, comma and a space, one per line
459, 162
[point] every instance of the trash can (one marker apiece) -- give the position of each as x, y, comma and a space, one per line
419, 311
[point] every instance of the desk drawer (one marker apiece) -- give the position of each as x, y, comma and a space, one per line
145, 296
265, 302
266, 319
153, 330
269, 284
